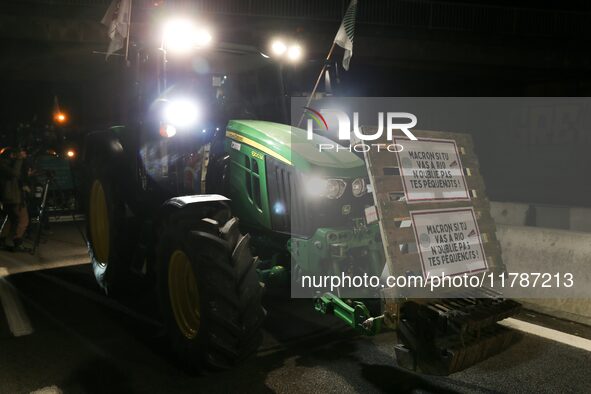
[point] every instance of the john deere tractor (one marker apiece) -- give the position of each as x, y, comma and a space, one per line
190, 185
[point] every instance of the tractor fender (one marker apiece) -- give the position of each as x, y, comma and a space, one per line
197, 202
103, 145
102, 153
184, 201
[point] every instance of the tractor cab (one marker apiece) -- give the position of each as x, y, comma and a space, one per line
180, 98
205, 88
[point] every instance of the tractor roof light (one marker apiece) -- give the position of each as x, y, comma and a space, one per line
182, 36
280, 49
294, 53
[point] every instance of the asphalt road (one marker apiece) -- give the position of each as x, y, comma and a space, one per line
84, 342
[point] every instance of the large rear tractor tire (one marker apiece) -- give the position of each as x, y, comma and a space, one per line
108, 247
209, 290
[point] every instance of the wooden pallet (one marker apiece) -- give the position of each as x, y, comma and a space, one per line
393, 211
438, 334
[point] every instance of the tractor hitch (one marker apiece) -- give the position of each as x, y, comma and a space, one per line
355, 314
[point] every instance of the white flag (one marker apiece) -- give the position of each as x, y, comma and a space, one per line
117, 19
346, 33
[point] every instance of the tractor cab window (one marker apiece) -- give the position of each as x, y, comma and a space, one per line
254, 95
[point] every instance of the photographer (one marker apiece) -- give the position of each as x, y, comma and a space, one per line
11, 194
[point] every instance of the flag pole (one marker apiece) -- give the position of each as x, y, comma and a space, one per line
317, 81
128, 32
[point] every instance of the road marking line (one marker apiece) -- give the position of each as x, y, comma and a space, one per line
17, 318
12, 265
48, 390
548, 333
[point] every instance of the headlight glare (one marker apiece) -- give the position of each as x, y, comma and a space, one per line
167, 130
278, 47
294, 53
182, 36
181, 113
315, 186
331, 188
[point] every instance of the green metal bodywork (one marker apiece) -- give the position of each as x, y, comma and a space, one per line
249, 141
292, 144
332, 245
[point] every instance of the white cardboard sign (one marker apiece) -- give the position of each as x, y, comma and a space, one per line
431, 170
448, 241
371, 214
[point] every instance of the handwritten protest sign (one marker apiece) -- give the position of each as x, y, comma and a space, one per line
431, 170
448, 241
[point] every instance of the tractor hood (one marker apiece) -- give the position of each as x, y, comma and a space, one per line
290, 145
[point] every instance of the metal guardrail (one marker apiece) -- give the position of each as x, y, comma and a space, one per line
421, 14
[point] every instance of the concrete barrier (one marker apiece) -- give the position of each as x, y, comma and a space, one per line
512, 213
550, 216
541, 215
580, 219
534, 249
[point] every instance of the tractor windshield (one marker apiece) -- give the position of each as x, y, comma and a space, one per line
229, 84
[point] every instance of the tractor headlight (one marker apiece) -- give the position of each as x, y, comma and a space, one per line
335, 188
331, 188
281, 50
359, 187
182, 36
181, 113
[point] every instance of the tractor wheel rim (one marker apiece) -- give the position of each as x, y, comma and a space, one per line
99, 223
184, 294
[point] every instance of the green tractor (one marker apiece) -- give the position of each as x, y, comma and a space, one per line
182, 192
188, 196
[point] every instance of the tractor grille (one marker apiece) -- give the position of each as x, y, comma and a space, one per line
282, 186
293, 212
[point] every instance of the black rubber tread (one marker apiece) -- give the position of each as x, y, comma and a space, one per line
114, 276
229, 231
231, 310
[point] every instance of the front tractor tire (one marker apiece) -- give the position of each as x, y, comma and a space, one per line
209, 290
